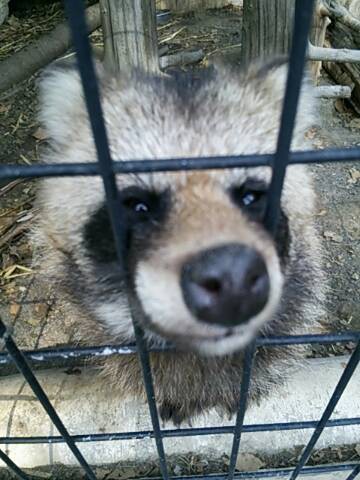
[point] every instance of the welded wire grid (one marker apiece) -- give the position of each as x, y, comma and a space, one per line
107, 168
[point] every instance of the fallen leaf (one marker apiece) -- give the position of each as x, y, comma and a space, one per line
321, 213
247, 462
14, 309
37, 474
177, 470
332, 236
354, 174
4, 108
102, 473
13, 21
339, 106
40, 134
355, 123
310, 134
41, 308
33, 321
122, 474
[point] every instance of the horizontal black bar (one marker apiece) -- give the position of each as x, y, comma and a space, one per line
308, 339
13, 467
47, 354
175, 164
181, 432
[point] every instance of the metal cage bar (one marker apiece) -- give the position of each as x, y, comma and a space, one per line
8, 172
354, 473
148, 381
244, 391
302, 22
13, 467
63, 353
76, 16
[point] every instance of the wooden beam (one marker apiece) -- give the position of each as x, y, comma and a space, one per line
343, 55
333, 91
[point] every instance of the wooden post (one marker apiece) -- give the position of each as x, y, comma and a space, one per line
130, 39
267, 28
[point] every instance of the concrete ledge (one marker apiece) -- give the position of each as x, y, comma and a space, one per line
86, 406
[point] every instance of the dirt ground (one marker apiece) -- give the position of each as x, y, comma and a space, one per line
36, 316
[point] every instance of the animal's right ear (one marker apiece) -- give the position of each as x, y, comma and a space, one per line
62, 104
61, 101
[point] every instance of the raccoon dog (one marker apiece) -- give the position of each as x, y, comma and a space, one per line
202, 269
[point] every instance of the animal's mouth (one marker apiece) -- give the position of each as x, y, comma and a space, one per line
205, 337
217, 343
211, 334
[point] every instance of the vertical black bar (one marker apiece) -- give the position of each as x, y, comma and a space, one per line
75, 12
25, 370
344, 380
245, 384
354, 473
13, 467
303, 17
76, 17
149, 387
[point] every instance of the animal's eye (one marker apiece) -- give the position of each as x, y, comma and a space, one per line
251, 195
136, 205
142, 205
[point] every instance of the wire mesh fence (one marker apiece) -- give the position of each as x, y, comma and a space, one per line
107, 169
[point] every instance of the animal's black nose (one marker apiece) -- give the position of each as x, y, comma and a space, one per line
226, 285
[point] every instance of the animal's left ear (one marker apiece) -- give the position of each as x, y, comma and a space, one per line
273, 77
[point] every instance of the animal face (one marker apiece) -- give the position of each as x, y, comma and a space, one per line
202, 270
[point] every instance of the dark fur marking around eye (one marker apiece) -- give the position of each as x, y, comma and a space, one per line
251, 198
144, 211
98, 237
